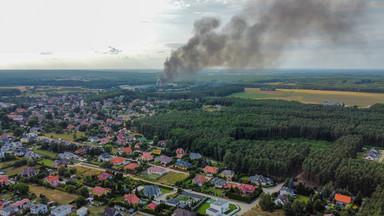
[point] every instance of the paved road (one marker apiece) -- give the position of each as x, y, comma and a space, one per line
244, 206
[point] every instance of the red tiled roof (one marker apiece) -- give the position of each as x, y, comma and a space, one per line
22, 202
179, 151
131, 166
127, 149
152, 206
104, 176
146, 156
132, 198
342, 198
246, 188
118, 160
199, 179
99, 190
4, 179
52, 178
210, 169
156, 169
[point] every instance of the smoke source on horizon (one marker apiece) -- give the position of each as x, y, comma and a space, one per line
257, 36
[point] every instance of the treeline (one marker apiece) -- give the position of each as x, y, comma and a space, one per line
374, 206
9, 92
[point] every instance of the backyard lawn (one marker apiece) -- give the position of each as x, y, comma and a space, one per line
55, 195
64, 136
46, 162
172, 178
86, 171
205, 206
302, 198
14, 170
45, 152
231, 208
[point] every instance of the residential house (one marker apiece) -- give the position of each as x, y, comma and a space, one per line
60, 163
182, 165
342, 200
118, 161
247, 189
80, 151
163, 159
183, 212
111, 212
31, 155
156, 170
131, 166
93, 139
9, 210
82, 211
38, 208
179, 151
146, 157
152, 206
281, 199
199, 180
219, 207
4, 180
52, 180
227, 174
219, 183
104, 157
127, 150
62, 210
152, 191
195, 156
22, 204
173, 202
104, 141
287, 191
100, 191
68, 156
131, 198
210, 170
260, 179
20, 152
28, 172
103, 176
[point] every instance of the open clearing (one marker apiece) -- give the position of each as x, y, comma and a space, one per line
64, 136
55, 195
256, 211
86, 171
172, 177
314, 96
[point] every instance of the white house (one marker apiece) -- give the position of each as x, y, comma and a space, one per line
9, 210
62, 210
217, 208
38, 208
82, 211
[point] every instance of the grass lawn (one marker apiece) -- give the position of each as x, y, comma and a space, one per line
172, 177
14, 170
96, 210
165, 190
231, 208
119, 199
64, 136
55, 195
204, 207
216, 192
46, 162
183, 198
156, 151
6, 164
256, 211
302, 198
150, 177
45, 152
86, 171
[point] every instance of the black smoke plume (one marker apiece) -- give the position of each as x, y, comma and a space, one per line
257, 36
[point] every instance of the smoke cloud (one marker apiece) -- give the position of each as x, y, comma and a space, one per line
257, 37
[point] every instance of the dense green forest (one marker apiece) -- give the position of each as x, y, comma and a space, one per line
9, 92
252, 136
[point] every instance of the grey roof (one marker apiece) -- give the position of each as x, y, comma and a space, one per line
152, 190
28, 172
60, 208
111, 212
195, 196
195, 155
228, 172
37, 205
171, 201
212, 210
219, 202
183, 212
219, 181
164, 159
10, 209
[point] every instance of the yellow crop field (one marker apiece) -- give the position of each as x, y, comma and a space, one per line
314, 96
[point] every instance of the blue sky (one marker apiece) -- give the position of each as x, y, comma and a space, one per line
124, 34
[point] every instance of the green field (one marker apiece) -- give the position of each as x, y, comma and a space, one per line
64, 136
44, 152
250, 95
302, 198
46, 162
172, 178
204, 207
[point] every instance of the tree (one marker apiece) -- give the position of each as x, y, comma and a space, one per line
83, 191
18, 132
61, 171
80, 201
21, 188
266, 202
70, 188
